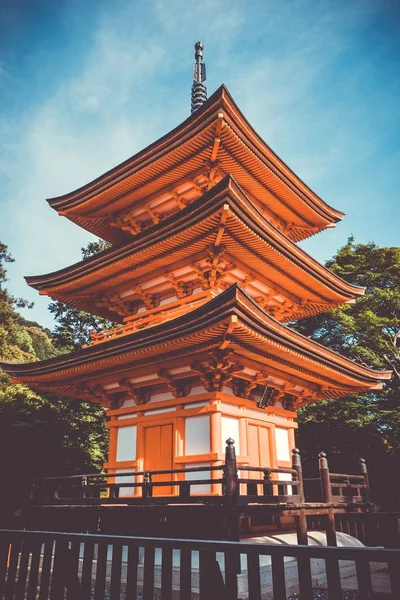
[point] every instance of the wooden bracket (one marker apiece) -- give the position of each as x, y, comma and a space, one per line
139, 395
114, 303
217, 370
182, 288
178, 388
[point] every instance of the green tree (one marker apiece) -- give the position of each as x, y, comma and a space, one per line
368, 331
40, 433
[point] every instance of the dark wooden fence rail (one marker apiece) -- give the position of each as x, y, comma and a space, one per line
55, 566
239, 485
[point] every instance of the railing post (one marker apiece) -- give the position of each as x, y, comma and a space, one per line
301, 520
326, 489
364, 472
296, 466
267, 483
231, 487
147, 487
84, 483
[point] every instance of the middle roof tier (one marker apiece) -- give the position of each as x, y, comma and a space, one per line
220, 240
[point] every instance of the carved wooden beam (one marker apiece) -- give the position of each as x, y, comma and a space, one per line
149, 300
218, 370
178, 388
114, 303
182, 288
98, 395
139, 395
243, 387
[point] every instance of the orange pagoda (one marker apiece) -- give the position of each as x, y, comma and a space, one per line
202, 276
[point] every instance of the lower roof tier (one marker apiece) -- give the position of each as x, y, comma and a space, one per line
229, 341
217, 241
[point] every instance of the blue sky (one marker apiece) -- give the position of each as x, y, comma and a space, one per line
84, 85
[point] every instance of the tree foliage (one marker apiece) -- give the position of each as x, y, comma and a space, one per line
40, 433
368, 331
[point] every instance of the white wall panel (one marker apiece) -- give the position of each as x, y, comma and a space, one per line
285, 477
197, 435
204, 488
125, 492
282, 444
230, 429
126, 443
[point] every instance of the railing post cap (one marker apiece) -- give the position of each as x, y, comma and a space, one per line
296, 459
322, 455
230, 442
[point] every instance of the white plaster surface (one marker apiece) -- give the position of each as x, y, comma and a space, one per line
204, 488
125, 492
282, 444
126, 443
230, 429
197, 435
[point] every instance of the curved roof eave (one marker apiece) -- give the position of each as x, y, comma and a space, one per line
232, 301
223, 98
226, 186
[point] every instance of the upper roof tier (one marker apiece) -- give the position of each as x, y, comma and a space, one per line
214, 141
218, 240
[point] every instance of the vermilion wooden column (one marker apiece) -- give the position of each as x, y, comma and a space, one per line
215, 447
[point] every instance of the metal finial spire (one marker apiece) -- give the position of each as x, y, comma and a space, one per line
199, 90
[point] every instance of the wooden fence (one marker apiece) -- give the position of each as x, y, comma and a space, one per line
55, 566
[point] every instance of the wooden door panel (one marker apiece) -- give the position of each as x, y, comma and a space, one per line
158, 454
258, 448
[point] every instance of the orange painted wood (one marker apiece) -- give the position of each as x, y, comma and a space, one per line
158, 453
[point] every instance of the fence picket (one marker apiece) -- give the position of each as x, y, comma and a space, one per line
46, 569
4, 551
116, 570
364, 579
232, 565
12, 569
23, 570
278, 577
305, 581
101, 569
185, 575
148, 575
58, 579
131, 572
87, 568
253, 576
36, 548
166, 574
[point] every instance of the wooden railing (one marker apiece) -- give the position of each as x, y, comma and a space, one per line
338, 488
47, 565
229, 484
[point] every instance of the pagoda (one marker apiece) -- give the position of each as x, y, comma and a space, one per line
202, 275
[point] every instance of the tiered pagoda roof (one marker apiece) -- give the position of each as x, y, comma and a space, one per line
203, 271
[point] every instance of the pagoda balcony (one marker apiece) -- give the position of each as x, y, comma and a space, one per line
229, 485
153, 316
